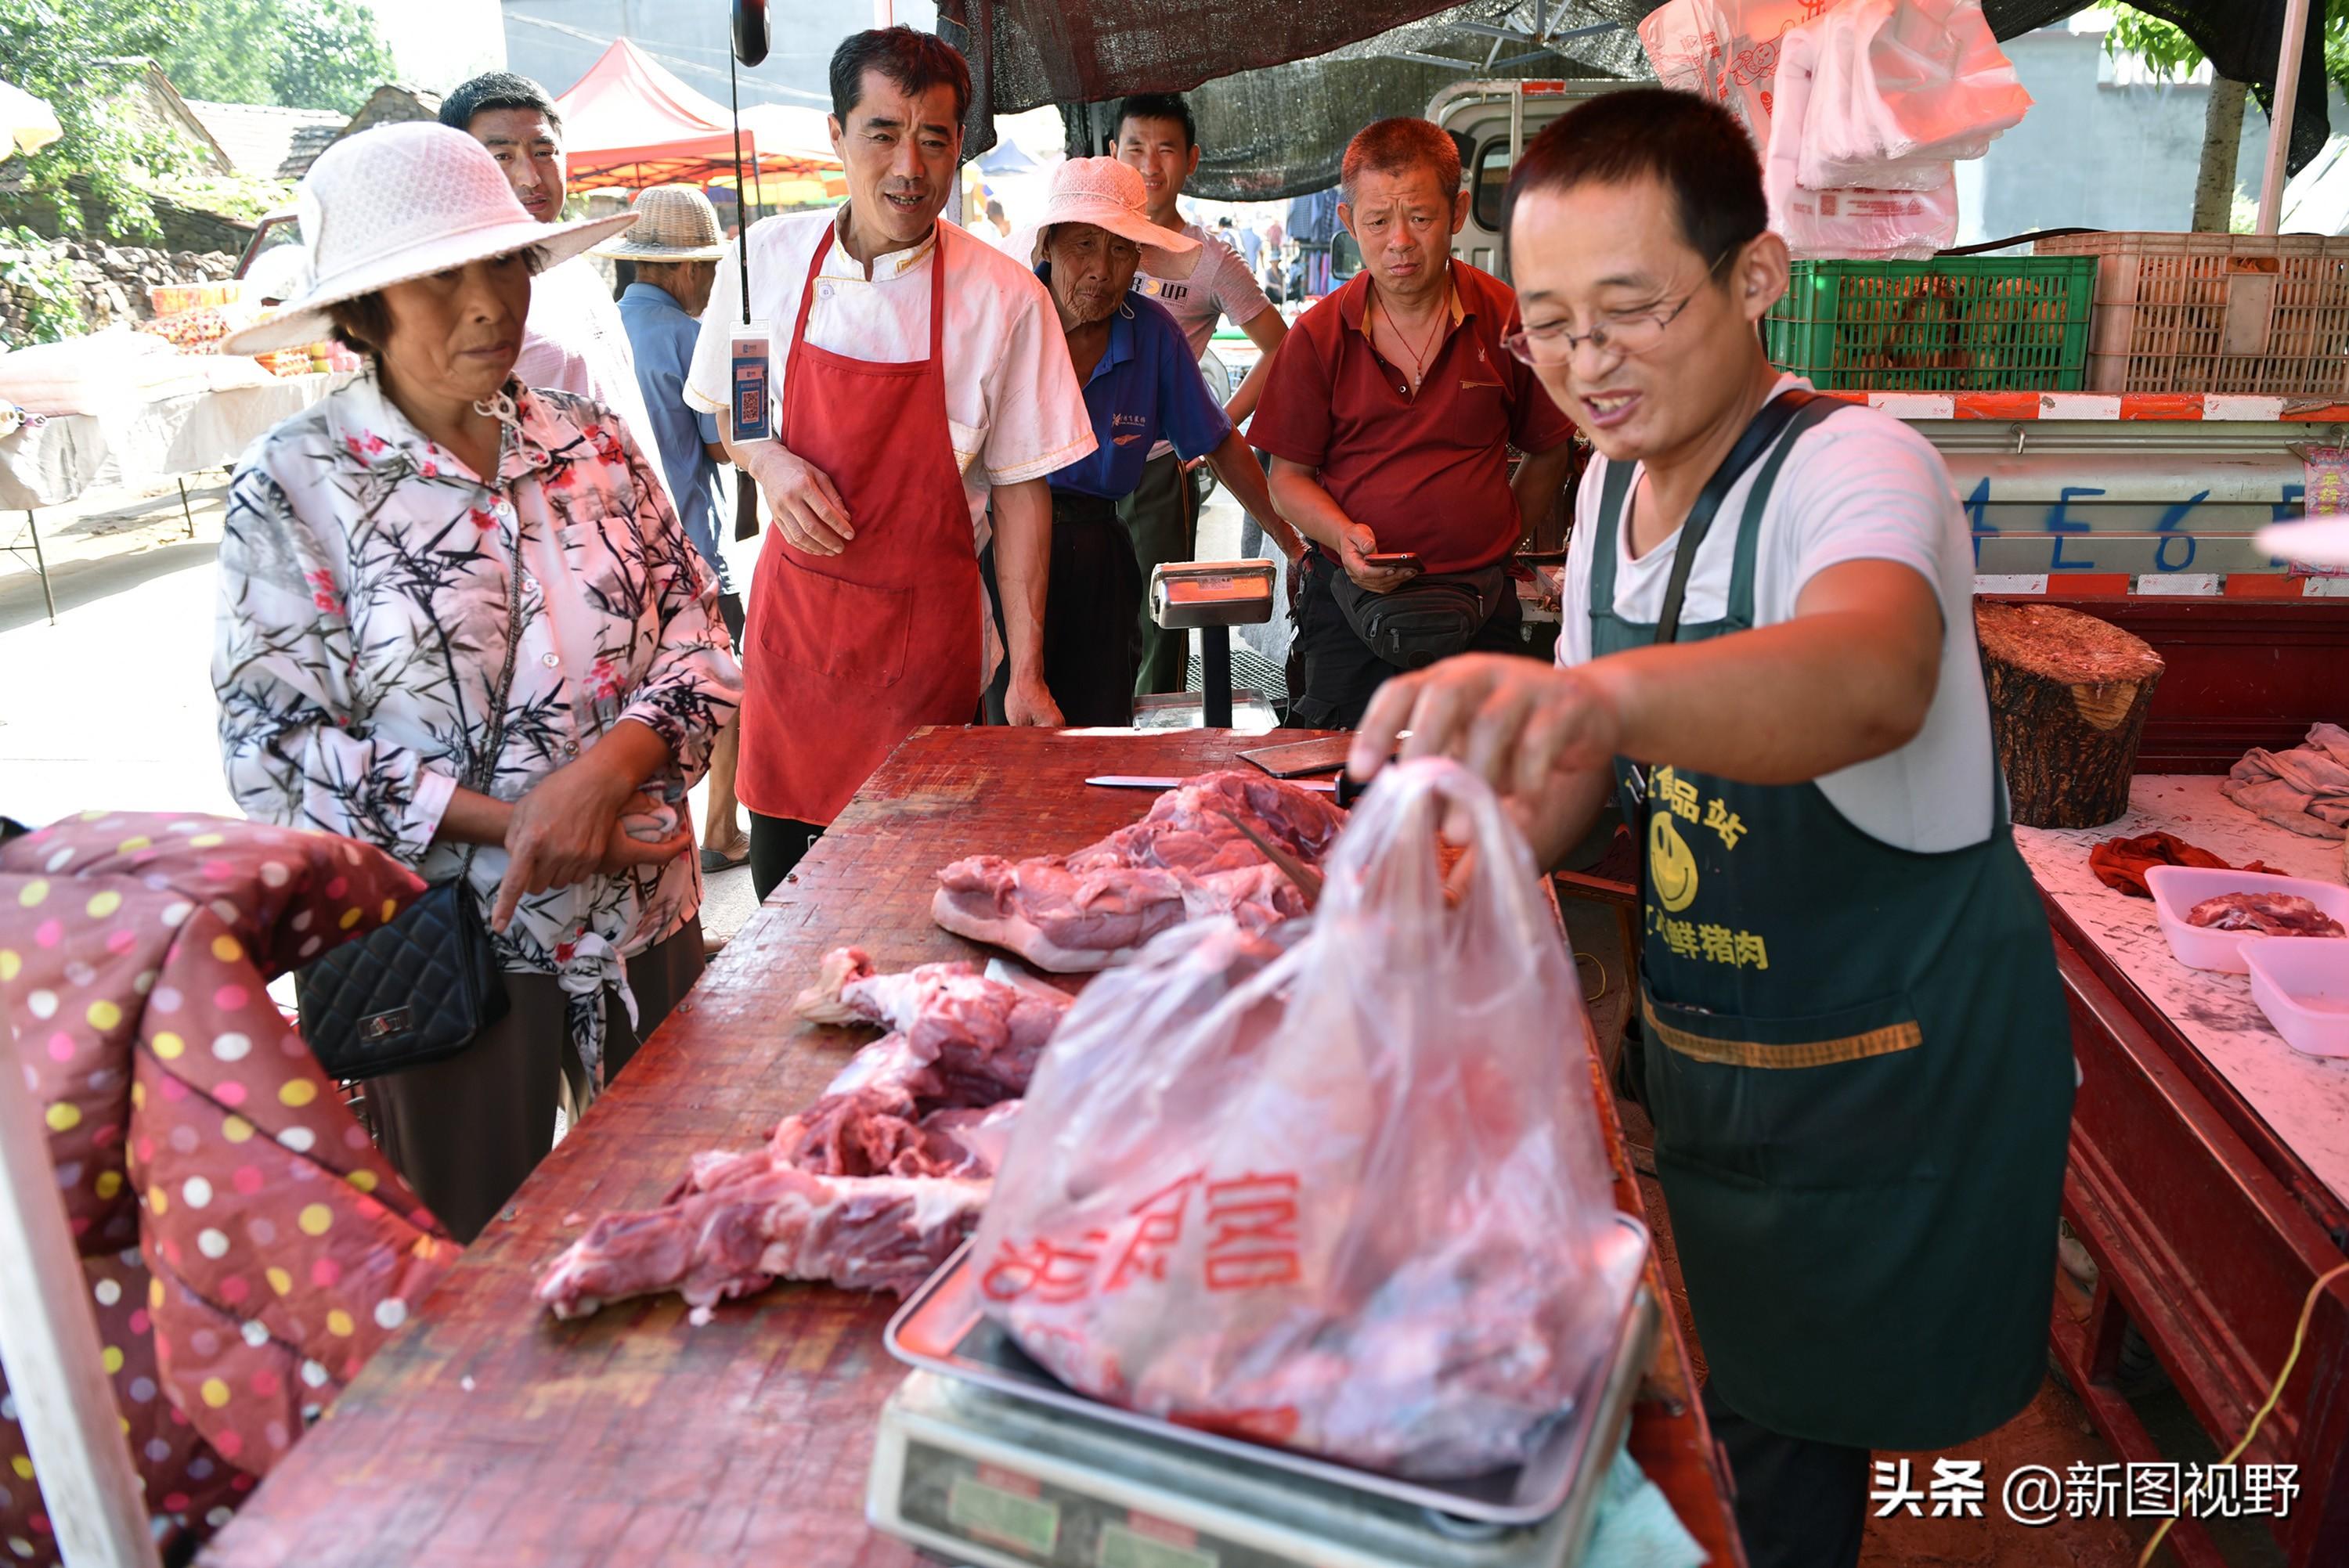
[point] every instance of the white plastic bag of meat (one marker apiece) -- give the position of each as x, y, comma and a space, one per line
1345, 1197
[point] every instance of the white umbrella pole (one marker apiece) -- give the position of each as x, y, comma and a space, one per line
49, 1343
2286, 99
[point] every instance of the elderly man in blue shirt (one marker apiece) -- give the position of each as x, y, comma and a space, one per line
1142, 386
675, 245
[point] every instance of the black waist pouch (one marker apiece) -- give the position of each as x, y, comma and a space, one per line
1426, 619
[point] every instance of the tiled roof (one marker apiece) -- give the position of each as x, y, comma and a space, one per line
262, 139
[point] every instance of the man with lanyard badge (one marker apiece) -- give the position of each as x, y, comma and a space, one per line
919, 369
1157, 138
1856, 1049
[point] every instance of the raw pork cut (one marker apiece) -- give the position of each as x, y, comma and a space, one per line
872, 1186
952, 1014
2269, 913
1186, 860
765, 1224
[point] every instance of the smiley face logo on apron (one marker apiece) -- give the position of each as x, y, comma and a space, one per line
1670, 864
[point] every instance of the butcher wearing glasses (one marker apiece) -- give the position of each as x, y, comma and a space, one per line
1853, 1040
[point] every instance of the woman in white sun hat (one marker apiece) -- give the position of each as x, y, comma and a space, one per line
459, 621
1142, 385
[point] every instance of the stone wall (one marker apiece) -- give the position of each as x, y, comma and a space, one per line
111, 280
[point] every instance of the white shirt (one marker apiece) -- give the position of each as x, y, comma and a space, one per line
574, 341
1220, 284
1860, 487
1013, 405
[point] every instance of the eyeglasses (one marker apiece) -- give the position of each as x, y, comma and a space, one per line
1628, 333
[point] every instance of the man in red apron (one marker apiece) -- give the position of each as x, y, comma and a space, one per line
1854, 1045
922, 375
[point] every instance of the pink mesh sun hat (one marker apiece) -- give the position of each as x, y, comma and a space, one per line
404, 202
1106, 193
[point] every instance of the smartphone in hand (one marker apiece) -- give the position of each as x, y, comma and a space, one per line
1394, 561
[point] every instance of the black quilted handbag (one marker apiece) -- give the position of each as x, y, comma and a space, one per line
420, 988
414, 991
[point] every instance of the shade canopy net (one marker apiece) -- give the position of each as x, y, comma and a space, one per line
1278, 85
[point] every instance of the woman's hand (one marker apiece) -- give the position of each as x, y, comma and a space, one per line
561, 832
648, 832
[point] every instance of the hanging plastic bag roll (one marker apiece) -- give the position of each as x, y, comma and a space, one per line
1874, 223
1902, 87
1346, 1196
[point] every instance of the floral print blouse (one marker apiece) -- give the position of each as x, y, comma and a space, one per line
364, 580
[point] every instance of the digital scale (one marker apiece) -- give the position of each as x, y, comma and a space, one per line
983, 1458
1209, 597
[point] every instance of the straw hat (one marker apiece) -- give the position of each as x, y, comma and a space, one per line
1106, 193
674, 224
399, 203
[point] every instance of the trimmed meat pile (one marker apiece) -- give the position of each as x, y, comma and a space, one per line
870, 1187
1184, 860
2268, 914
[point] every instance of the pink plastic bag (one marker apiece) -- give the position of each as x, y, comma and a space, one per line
1345, 1197
1901, 87
1907, 224
1726, 50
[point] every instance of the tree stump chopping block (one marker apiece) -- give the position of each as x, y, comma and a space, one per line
2068, 698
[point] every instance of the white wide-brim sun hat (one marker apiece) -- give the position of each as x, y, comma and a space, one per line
2317, 542
1109, 195
401, 203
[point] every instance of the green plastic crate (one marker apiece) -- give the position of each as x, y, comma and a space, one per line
1956, 324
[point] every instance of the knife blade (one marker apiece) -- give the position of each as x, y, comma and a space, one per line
1147, 781
1308, 881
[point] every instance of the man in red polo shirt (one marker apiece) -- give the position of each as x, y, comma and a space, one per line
1388, 414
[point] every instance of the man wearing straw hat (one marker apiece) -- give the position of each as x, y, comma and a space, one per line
676, 245
923, 387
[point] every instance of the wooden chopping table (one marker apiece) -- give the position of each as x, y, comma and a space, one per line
490, 1434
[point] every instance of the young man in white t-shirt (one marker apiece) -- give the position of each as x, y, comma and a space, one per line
1854, 1045
1157, 138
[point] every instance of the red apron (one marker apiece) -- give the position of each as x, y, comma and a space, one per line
849, 653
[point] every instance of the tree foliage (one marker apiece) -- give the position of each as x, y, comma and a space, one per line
2170, 54
77, 55
301, 54
41, 282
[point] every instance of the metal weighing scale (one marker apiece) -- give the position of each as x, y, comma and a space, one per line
983, 1458
1209, 597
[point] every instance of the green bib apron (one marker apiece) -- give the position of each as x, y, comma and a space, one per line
1858, 1064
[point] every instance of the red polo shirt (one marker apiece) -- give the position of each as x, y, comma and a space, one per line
1429, 473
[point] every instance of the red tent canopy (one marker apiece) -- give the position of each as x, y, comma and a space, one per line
630, 123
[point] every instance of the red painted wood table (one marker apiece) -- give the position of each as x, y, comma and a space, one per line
2209, 1173
490, 1434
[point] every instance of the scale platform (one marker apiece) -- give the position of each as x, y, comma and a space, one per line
985, 1458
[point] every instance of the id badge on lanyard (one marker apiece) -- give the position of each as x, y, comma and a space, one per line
751, 357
